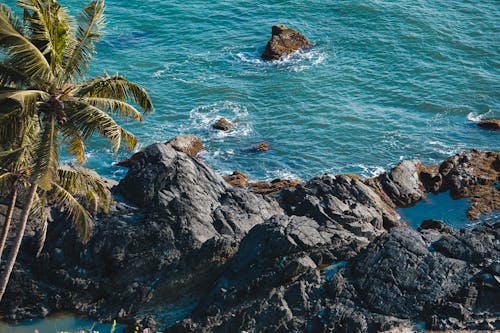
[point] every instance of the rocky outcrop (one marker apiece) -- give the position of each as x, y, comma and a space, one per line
330, 254
284, 41
397, 279
469, 174
491, 124
274, 186
188, 144
182, 226
223, 124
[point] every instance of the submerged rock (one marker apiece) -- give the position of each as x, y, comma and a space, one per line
284, 41
264, 146
492, 124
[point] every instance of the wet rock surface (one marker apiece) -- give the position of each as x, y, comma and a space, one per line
284, 41
183, 250
491, 124
223, 124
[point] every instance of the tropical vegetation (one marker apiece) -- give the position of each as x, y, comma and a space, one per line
47, 104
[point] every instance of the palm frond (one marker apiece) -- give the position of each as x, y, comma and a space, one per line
112, 106
10, 76
73, 209
23, 54
90, 119
116, 87
47, 157
76, 147
14, 21
81, 52
26, 99
86, 183
50, 28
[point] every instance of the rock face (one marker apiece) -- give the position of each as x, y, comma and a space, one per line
197, 200
492, 124
188, 252
275, 283
284, 41
185, 216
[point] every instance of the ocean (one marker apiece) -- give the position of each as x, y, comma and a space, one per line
386, 81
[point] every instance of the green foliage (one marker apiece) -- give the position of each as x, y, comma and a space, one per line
46, 103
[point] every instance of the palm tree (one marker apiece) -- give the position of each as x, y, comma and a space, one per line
42, 79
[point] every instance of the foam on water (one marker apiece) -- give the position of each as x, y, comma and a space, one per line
204, 116
384, 80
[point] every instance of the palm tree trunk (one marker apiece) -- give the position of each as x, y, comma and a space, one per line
8, 219
4, 279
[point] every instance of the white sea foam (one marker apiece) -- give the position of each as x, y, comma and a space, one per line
281, 173
296, 62
472, 116
204, 116
370, 170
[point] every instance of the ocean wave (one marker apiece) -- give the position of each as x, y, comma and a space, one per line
204, 116
297, 62
472, 116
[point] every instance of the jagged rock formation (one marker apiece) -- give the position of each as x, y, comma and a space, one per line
330, 254
284, 41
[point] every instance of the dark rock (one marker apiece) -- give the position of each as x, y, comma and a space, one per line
223, 124
274, 282
436, 225
491, 124
403, 184
197, 201
284, 41
344, 201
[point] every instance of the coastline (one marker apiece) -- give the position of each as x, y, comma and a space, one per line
197, 236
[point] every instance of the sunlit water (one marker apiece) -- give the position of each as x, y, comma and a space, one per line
386, 81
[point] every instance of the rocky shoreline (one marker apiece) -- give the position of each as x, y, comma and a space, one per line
182, 250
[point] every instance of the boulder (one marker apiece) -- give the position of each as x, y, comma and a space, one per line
237, 178
284, 41
223, 124
276, 281
188, 144
491, 124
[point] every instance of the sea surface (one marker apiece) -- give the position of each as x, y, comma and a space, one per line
386, 81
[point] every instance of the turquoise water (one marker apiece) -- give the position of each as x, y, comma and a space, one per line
63, 323
387, 80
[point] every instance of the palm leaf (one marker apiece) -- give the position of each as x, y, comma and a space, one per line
86, 183
90, 23
50, 28
90, 119
46, 156
11, 77
73, 209
116, 87
14, 21
111, 105
27, 100
24, 56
